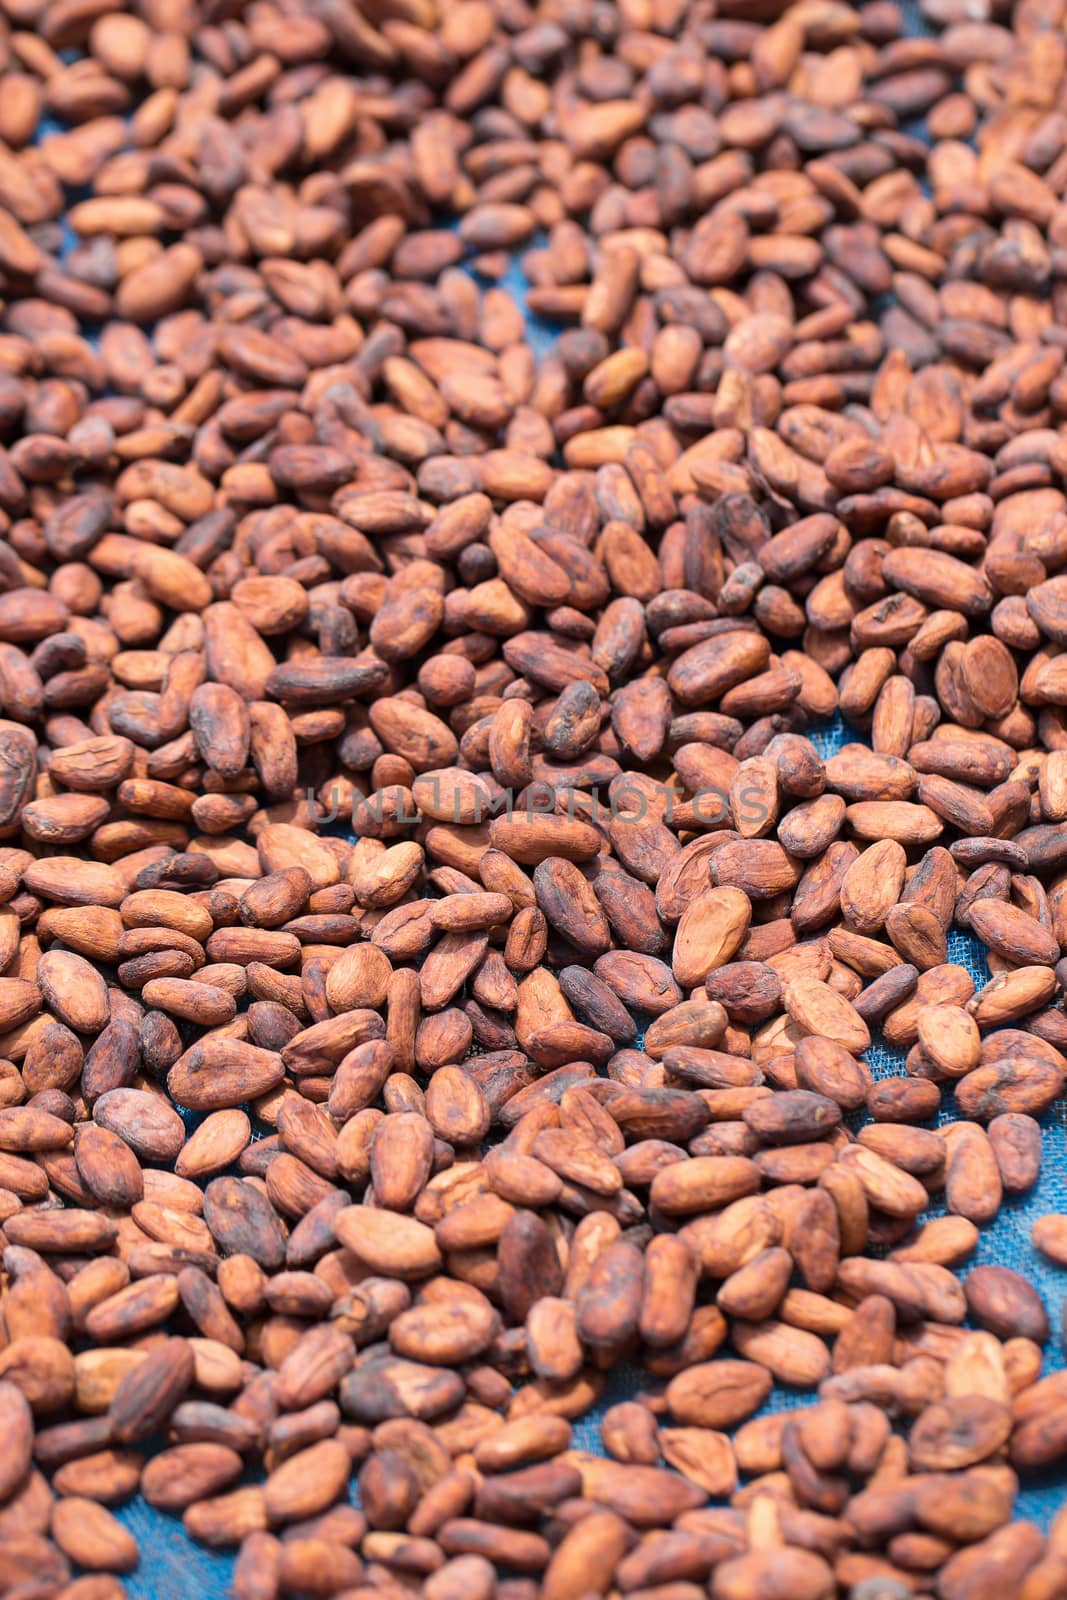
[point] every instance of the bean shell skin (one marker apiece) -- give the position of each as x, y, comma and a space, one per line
176, 1478
19, 1432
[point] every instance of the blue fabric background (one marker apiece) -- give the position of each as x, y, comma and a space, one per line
174, 1568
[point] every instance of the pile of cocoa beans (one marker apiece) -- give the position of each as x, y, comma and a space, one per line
444, 977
